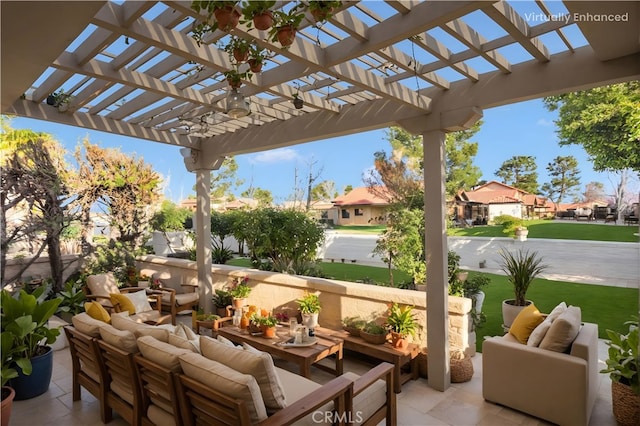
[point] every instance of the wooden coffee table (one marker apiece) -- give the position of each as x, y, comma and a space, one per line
303, 356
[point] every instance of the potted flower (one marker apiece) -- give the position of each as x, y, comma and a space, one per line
310, 308
268, 326
286, 25
24, 324
402, 324
623, 366
323, 10
258, 13
521, 268
238, 49
374, 333
239, 291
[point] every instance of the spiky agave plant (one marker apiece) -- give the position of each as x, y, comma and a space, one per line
521, 268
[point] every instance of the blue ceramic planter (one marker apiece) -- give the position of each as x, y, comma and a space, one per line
38, 381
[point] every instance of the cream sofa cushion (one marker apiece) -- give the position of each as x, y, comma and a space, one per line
102, 285
258, 364
541, 330
563, 330
87, 325
223, 379
121, 339
163, 354
124, 323
159, 416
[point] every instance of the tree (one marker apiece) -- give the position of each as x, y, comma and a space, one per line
605, 121
565, 178
170, 217
264, 197
593, 191
122, 185
225, 180
459, 168
325, 190
347, 189
520, 171
35, 179
395, 181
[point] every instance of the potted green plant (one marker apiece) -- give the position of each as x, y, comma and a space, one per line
310, 308
402, 323
521, 268
374, 333
24, 323
234, 78
286, 25
353, 325
623, 366
239, 291
8, 372
221, 299
323, 10
268, 326
72, 300
298, 102
472, 288
258, 13
238, 48
257, 56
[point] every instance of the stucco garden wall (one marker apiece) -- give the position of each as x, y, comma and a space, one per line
339, 299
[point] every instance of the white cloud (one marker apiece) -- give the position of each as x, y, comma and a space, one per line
275, 156
545, 123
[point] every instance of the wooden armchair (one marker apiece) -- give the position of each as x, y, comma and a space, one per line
87, 370
177, 297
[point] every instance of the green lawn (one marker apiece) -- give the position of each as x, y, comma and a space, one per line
360, 229
558, 229
609, 307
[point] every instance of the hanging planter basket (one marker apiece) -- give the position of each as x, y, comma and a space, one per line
255, 65
264, 21
286, 35
240, 55
227, 18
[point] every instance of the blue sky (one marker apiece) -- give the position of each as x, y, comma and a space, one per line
525, 128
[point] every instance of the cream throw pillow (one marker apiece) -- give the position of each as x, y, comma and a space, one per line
563, 330
139, 301
258, 364
540, 331
226, 380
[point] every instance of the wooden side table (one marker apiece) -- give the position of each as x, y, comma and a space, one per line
398, 357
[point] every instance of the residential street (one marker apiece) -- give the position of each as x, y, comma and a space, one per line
593, 262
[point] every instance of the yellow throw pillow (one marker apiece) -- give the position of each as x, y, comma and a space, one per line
97, 311
123, 303
526, 321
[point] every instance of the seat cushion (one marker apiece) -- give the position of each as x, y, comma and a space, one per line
224, 379
258, 364
159, 416
181, 298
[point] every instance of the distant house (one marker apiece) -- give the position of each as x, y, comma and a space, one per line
322, 210
492, 199
222, 204
360, 207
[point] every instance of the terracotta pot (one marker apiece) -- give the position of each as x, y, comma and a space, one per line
286, 35
268, 332
234, 84
240, 56
239, 303
255, 65
320, 15
7, 404
626, 404
227, 18
398, 341
263, 21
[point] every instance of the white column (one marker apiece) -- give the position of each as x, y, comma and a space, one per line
203, 239
436, 255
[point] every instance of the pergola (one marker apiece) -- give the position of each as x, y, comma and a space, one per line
133, 69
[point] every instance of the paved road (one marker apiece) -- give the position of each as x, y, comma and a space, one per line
593, 262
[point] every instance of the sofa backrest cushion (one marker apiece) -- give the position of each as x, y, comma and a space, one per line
256, 363
121, 339
541, 330
181, 342
87, 325
122, 322
102, 284
163, 354
224, 379
563, 330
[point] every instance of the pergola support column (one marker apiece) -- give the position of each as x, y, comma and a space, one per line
203, 239
433, 145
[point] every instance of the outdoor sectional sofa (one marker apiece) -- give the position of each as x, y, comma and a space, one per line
157, 375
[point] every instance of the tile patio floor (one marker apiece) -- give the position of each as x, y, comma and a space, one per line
462, 404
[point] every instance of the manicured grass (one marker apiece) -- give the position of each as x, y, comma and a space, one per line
609, 307
360, 229
558, 229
